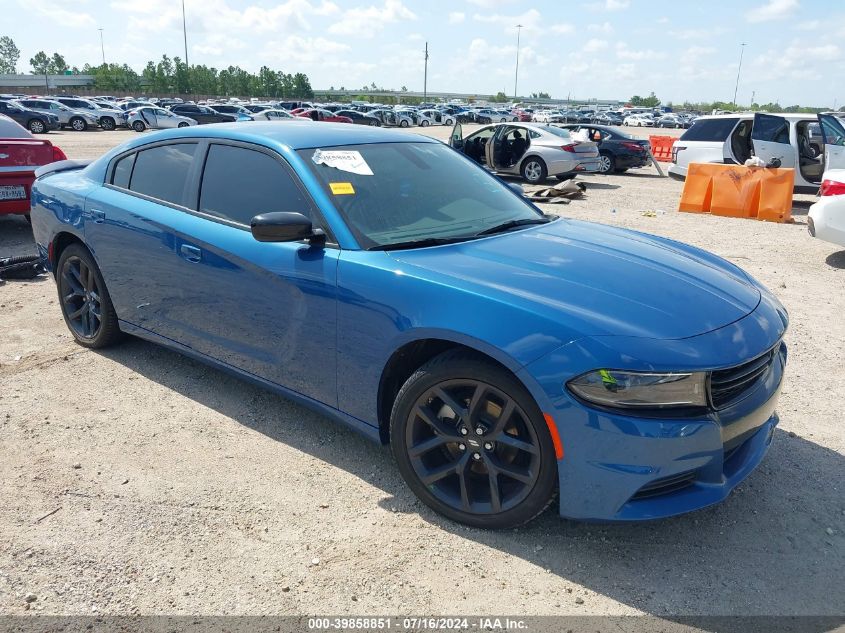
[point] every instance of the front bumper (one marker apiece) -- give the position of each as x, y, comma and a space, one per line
619, 467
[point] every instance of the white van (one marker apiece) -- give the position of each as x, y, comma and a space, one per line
808, 143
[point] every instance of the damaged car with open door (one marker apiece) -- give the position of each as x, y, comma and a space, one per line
810, 144
529, 150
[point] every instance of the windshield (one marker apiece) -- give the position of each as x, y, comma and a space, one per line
416, 191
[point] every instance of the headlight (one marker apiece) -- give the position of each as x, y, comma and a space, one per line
626, 389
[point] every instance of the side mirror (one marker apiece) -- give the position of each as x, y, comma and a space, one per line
283, 227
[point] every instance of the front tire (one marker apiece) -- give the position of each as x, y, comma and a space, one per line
505, 474
183, 124
78, 124
84, 300
107, 123
36, 126
534, 170
403, 123
138, 126
423, 123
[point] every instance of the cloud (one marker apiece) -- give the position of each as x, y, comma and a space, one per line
698, 34
491, 4
772, 10
604, 27
304, 50
562, 28
594, 45
623, 52
791, 62
61, 12
531, 20
811, 25
457, 17
367, 21
611, 5
696, 54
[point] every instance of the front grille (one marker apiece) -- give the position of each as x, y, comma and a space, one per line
728, 385
665, 485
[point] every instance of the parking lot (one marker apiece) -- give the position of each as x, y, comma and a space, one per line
135, 480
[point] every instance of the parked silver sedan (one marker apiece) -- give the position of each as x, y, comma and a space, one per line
156, 118
78, 120
530, 150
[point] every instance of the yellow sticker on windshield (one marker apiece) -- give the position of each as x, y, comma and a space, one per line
342, 188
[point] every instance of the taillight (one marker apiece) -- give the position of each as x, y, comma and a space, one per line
832, 188
633, 146
568, 148
58, 154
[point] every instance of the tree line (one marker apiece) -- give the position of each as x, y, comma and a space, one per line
168, 75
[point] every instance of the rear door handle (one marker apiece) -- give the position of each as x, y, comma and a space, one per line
190, 253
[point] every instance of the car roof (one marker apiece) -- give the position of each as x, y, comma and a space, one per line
308, 136
750, 115
9, 128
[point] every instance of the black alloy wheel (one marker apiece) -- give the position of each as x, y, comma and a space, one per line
472, 444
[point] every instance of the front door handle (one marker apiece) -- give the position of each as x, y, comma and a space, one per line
190, 253
98, 216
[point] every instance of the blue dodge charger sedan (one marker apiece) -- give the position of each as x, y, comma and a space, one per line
387, 281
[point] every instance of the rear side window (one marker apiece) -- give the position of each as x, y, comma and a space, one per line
774, 129
123, 171
240, 183
161, 172
710, 130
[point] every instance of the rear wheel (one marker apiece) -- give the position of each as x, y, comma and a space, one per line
85, 302
78, 124
403, 123
36, 126
183, 124
138, 126
107, 123
534, 170
472, 444
423, 123
606, 163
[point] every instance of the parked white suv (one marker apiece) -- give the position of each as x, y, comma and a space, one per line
108, 118
808, 143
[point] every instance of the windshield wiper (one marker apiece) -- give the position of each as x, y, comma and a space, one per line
428, 241
512, 224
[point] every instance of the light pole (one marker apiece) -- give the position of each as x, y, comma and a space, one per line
102, 47
516, 75
738, 70
185, 33
425, 76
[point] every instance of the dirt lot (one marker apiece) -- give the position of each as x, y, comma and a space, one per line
135, 480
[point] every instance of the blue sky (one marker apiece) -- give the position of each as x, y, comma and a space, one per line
587, 48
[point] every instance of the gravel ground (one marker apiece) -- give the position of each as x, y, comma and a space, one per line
137, 481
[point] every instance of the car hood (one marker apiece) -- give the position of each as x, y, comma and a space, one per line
596, 280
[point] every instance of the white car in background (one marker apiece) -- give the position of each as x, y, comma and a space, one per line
274, 114
826, 219
439, 118
638, 120
155, 118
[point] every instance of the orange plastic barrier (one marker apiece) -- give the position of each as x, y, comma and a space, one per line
738, 191
661, 147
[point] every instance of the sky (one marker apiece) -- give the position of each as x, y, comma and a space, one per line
582, 49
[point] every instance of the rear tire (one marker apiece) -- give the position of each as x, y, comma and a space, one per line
534, 170
505, 475
85, 303
607, 163
403, 123
138, 126
36, 126
107, 123
183, 124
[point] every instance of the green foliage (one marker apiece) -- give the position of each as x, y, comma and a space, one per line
651, 101
58, 65
40, 63
500, 97
9, 56
539, 95
108, 77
